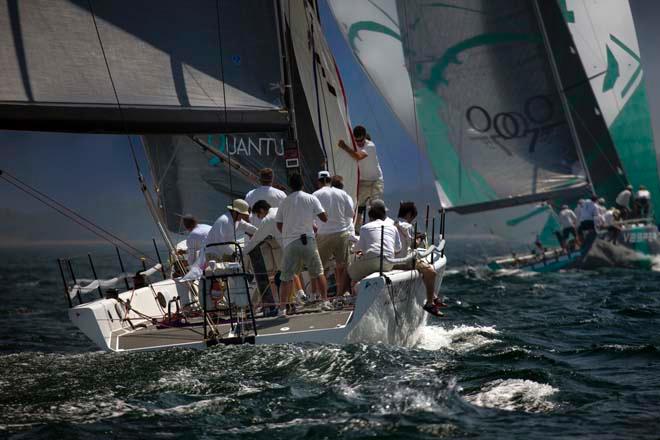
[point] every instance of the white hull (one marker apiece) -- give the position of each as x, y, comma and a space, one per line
389, 314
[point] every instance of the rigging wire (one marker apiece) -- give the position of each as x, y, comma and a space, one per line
73, 215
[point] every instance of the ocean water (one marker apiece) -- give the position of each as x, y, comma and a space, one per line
518, 356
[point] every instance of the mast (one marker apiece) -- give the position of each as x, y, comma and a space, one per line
292, 152
562, 95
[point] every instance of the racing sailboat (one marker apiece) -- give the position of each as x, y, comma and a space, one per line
230, 88
494, 94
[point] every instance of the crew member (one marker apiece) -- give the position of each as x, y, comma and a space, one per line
295, 220
407, 214
567, 220
265, 192
371, 184
333, 236
197, 233
587, 217
643, 201
226, 229
622, 202
369, 244
610, 222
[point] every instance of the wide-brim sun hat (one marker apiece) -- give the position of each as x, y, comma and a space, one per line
240, 206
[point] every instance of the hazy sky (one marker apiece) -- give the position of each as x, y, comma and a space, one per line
95, 175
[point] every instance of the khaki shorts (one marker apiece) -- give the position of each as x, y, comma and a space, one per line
334, 245
369, 190
298, 256
365, 266
272, 254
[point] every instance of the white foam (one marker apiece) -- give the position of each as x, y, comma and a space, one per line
461, 338
515, 395
655, 263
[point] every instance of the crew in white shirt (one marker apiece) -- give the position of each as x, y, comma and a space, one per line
267, 234
622, 202
587, 217
643, 201
226, 228
265, 192
197, 233
371, 185
295, 219
568, 221
369, 244
609, 222
407, 214
333, 236
269, 240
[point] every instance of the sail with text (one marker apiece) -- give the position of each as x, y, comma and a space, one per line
217, 88
477, 78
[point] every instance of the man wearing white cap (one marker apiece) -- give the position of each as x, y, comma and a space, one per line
227, 227
333, 236
295, 219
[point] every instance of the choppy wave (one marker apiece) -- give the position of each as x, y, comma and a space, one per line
460, 338
515, 395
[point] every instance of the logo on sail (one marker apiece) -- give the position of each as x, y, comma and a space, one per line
536, 117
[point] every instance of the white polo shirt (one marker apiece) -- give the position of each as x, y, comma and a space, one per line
195, 241
370, 235
339, 207
272, 195
297, 213
267, 228
223, 231
623, 199
567, 218
589, 211
370, 166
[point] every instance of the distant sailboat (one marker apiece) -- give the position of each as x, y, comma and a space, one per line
493, 93
218, 89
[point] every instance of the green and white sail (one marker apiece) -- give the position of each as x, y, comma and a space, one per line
485, 104
604, 35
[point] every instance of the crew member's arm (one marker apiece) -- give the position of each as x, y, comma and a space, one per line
246, 227
259, 236
357, 155
279, 220
318, 210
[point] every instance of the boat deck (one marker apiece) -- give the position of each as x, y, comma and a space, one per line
153, 338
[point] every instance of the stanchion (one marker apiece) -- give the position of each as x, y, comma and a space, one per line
91, 264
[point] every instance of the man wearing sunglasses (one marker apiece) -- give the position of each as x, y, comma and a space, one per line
371, 176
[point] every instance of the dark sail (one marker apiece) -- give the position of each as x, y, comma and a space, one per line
189, 67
